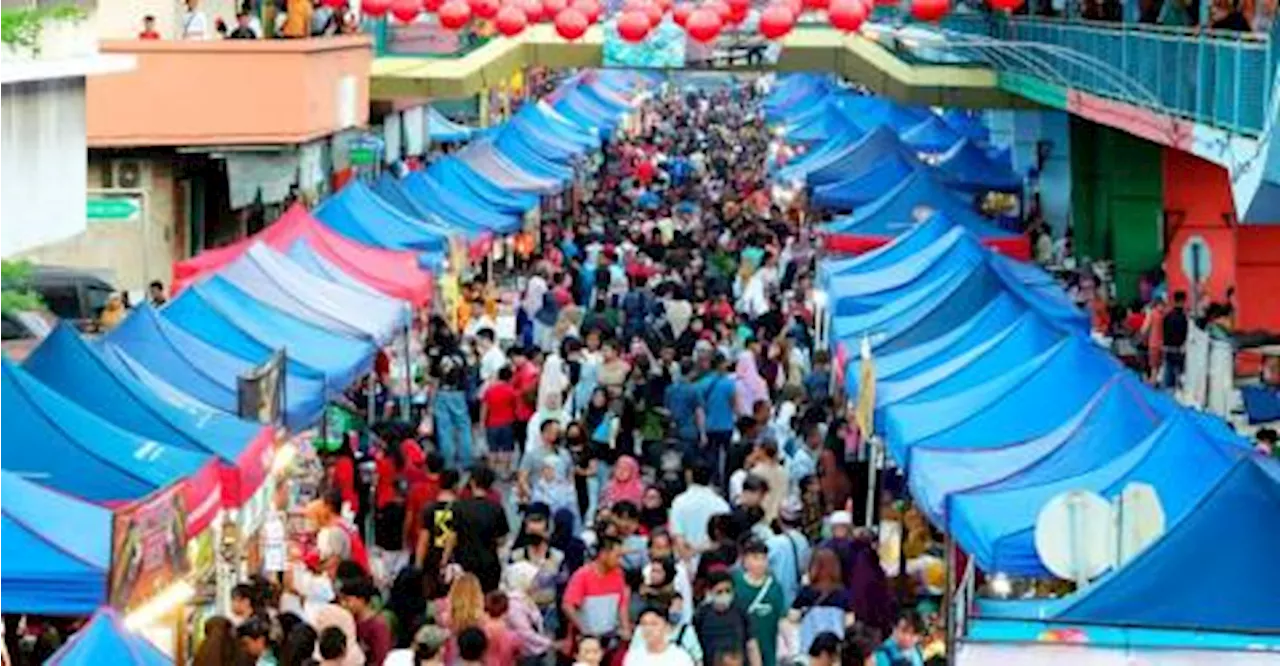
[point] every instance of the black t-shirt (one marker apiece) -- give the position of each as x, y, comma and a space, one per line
480, 524
721, 633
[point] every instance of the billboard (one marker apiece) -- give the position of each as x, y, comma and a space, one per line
148, 547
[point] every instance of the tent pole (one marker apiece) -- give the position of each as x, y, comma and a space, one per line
949, 597
405, 405
372, 401
873, 464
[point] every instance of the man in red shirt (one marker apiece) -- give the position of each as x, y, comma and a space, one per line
524, 379
597, 599
148, 28
498, 406
422, 493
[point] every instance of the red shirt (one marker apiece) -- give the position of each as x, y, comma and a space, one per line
599, 596
525, 383
501, 402
421, 494
504, 647
344, 477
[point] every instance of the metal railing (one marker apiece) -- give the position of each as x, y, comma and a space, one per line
1219, 78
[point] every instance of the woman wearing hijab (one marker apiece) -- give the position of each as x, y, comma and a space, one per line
625, 484
554, 488
544, 322
565, 539
333, 615
523, 616
749, 386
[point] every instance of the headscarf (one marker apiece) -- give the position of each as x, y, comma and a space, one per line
750, 386
558, 493
652, 518
625, 485
519, 577
332, 615
564, 538
552, 384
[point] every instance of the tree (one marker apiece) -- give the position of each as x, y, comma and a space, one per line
15, 287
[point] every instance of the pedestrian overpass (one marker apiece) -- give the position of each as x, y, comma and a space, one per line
1211, 93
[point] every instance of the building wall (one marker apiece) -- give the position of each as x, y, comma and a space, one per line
1258, 277
1199, 210
42, 198
1117, 200
135, 251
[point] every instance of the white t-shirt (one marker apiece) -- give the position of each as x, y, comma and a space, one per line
491, 362
195, 25
671, 656
692, 510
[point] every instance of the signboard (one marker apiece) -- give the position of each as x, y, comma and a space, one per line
261, 391
148, 547
119, 208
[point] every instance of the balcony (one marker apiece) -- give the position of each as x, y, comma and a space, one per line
1218, 78
231, 92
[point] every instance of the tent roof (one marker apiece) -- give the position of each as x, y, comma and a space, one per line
1119, 416
848, 194
224, 315
968, 167
394, 273
1056, 382
106, 640
71, 449
870, 111
278, 281
469, 215
902, 247
844, 156
484, 158
996, 525
318, 265
443, 130
359, 214
968, 124
931, 135
458, 176
528, 155
149, 346
919, 194
57, 550
71, 366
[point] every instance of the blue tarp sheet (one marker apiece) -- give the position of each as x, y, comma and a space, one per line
1031, 399
968, 124
320, 266
900, 248
71, 366
587, 110
525, 154
105, 640
443, 130
225, 316
884, 174
931, 135
392, 191
468, 216
869, 112
457, 176
996, 525
967, 167
70, 449
843, 157
359, 214
793, 92
203, 371
920, 194
57, 550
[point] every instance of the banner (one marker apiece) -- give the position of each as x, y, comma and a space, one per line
261, 391
978, 654
148, 547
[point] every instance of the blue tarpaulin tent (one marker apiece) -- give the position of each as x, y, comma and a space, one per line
1057, 381
70, 449
525, 153
469, 216
996, 523
968, 124
931, 135
967, 167
843, 157
146, 343
359, 214
105, 640
485, 159
1213, 569
457, 176
392, 191
884, 174
900, 248
77, 371
306, 257
222, 315
57, 550
869, 112
443, 130
912, 201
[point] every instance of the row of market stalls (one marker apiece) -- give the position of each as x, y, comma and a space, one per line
880, 167
134, 457
977, 378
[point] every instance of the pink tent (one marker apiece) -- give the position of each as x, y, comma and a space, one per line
392, 272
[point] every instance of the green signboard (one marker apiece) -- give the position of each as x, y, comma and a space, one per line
113, 209
363, 156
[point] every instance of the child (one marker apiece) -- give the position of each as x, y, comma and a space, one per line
590, 652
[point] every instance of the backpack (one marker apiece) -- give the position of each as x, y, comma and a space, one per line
359, 554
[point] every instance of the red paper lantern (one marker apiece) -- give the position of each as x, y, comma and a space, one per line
454, 14
552, 8
776, 21
930, 10
817, 5
738, 7
1005, 5
571, 24
796, 6
655, 12
432, 6
681, 13
847, 15
510, 21
704, 25
334, 4
589, 8
721, 9
375, 8
633, 25
485, 9
532, 10
406, 11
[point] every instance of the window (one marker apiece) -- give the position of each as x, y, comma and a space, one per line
62, 300
96, 297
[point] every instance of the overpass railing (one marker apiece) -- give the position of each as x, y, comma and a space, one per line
1220, 78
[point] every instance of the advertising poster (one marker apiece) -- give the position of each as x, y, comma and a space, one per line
261, 392
148, 547
664, 47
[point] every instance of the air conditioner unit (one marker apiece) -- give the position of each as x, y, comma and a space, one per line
126, 174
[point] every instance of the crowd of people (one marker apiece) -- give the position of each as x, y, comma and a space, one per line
658, 469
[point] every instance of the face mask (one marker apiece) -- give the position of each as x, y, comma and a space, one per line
674, 618
722, 601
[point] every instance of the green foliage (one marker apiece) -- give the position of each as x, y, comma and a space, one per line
15, 287
21, 27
